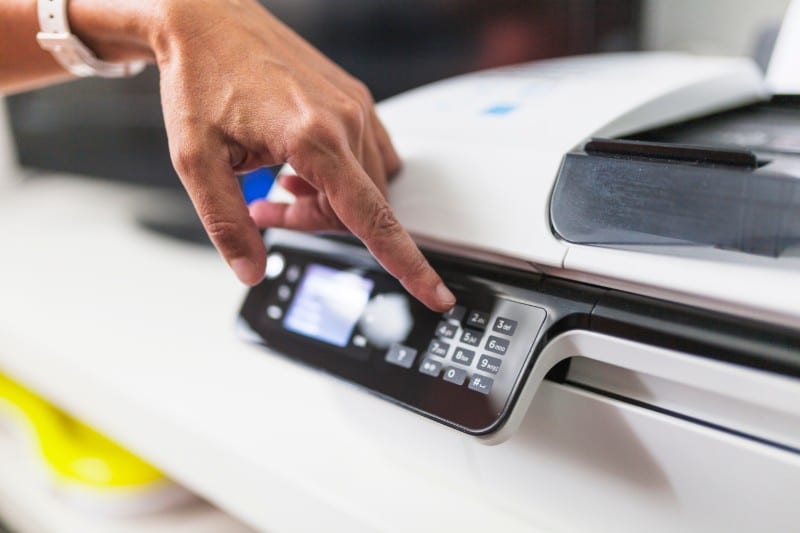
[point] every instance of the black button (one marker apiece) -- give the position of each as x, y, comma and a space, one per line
489, 364
497, 345
481, 384
505, 326
471, 338
401, 355
438, 347
456, 313
446, 330
430, 367
463, 356
477, 320
455, 375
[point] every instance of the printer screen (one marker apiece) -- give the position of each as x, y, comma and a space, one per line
328, 303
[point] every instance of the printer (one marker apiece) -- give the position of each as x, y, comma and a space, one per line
622, 233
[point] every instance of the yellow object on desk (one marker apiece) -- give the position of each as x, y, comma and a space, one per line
89, 469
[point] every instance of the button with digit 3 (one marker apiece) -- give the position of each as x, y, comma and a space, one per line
506, 326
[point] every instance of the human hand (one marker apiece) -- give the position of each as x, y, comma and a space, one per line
239, 91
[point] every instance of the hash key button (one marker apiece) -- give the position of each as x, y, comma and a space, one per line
401, 355
456, 376
477, 320
505, 326
481, 384
497, 345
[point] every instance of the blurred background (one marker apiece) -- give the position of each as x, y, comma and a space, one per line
113, 128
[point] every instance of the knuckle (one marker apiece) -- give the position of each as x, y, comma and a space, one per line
415, 269
362, 92
223, 232
186, 160
327, 212
317, 130
352, 114
384, 224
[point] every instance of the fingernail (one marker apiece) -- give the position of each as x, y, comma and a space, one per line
245, 270
445, 296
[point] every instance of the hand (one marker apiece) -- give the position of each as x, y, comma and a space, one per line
239, 91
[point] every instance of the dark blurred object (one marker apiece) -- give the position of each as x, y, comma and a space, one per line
113, 128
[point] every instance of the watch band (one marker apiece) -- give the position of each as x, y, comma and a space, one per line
69, 51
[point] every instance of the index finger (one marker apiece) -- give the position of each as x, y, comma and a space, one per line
361, 207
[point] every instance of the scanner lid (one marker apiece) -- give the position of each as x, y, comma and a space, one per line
481, 152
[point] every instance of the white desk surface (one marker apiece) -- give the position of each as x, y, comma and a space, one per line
134, 333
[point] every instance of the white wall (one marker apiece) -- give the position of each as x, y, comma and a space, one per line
727, 27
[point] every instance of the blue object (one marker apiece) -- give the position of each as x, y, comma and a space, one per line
257, 184
500, 109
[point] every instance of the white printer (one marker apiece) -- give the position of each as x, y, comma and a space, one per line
621, 233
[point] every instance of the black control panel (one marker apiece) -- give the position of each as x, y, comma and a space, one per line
328, 304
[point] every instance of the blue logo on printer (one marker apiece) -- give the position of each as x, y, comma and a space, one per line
500, 109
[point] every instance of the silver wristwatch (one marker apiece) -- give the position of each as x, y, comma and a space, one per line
69, 51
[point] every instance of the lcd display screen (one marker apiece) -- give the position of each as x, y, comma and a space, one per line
327, 305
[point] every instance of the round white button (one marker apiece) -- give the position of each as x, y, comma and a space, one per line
386, 319
284, 293
275, 265
274, 312
293, 274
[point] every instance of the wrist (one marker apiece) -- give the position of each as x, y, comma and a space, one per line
115, 30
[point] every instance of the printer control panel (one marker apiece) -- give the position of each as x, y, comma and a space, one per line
473, 347
329, 305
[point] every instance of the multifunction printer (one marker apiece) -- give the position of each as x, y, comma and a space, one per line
621, 233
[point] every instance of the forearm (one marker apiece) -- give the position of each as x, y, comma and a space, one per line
116, 30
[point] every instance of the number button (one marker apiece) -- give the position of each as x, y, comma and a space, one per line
497, 345
477, 320
430, 367
463, 357
438, 347
446, 330
401, 355
456, 376
505, 326
471, 338
456, 313
481, 384
489, 364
